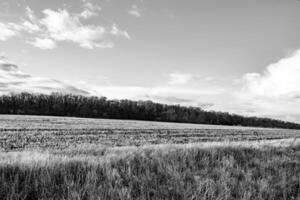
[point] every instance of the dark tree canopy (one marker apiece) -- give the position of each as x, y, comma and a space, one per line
100, 107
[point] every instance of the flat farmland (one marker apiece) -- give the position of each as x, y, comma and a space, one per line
32, 132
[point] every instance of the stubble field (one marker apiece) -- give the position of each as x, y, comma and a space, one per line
74, 158
32, 132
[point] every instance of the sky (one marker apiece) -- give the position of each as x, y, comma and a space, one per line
233, 56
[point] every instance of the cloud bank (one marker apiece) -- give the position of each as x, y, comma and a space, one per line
276, 91
13, 79
280, 80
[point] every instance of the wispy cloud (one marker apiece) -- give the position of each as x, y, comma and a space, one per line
134, 11
12, 79
118, 32
63, 26
90, 10
179, 78
7, 31
43, 43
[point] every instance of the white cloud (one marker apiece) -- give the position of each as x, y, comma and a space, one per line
63, 26
117, 32
276, 91
87, 14
7, 31
43, 43
179, 78
31, 24
30, 27
30, 14
280, 80
134, 11
90, 10
10, 29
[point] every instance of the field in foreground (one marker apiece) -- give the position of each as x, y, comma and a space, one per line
199, 171
73, 158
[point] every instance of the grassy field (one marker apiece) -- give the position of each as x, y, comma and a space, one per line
74, 158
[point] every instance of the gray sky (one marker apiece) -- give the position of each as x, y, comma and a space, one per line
235, 56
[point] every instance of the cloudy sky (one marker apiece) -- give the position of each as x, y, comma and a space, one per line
235, 56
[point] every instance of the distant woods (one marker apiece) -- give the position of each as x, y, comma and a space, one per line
100, 107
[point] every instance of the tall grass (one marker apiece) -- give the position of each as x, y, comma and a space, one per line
163, 172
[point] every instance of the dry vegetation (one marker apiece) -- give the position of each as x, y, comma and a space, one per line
73, 158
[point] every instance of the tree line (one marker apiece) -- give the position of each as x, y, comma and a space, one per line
71, 105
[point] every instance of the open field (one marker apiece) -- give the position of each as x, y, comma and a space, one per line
93, 159
31, 132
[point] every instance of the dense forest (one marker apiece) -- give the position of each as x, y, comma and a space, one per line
100, 107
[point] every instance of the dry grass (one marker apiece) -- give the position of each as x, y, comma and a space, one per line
268, 170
